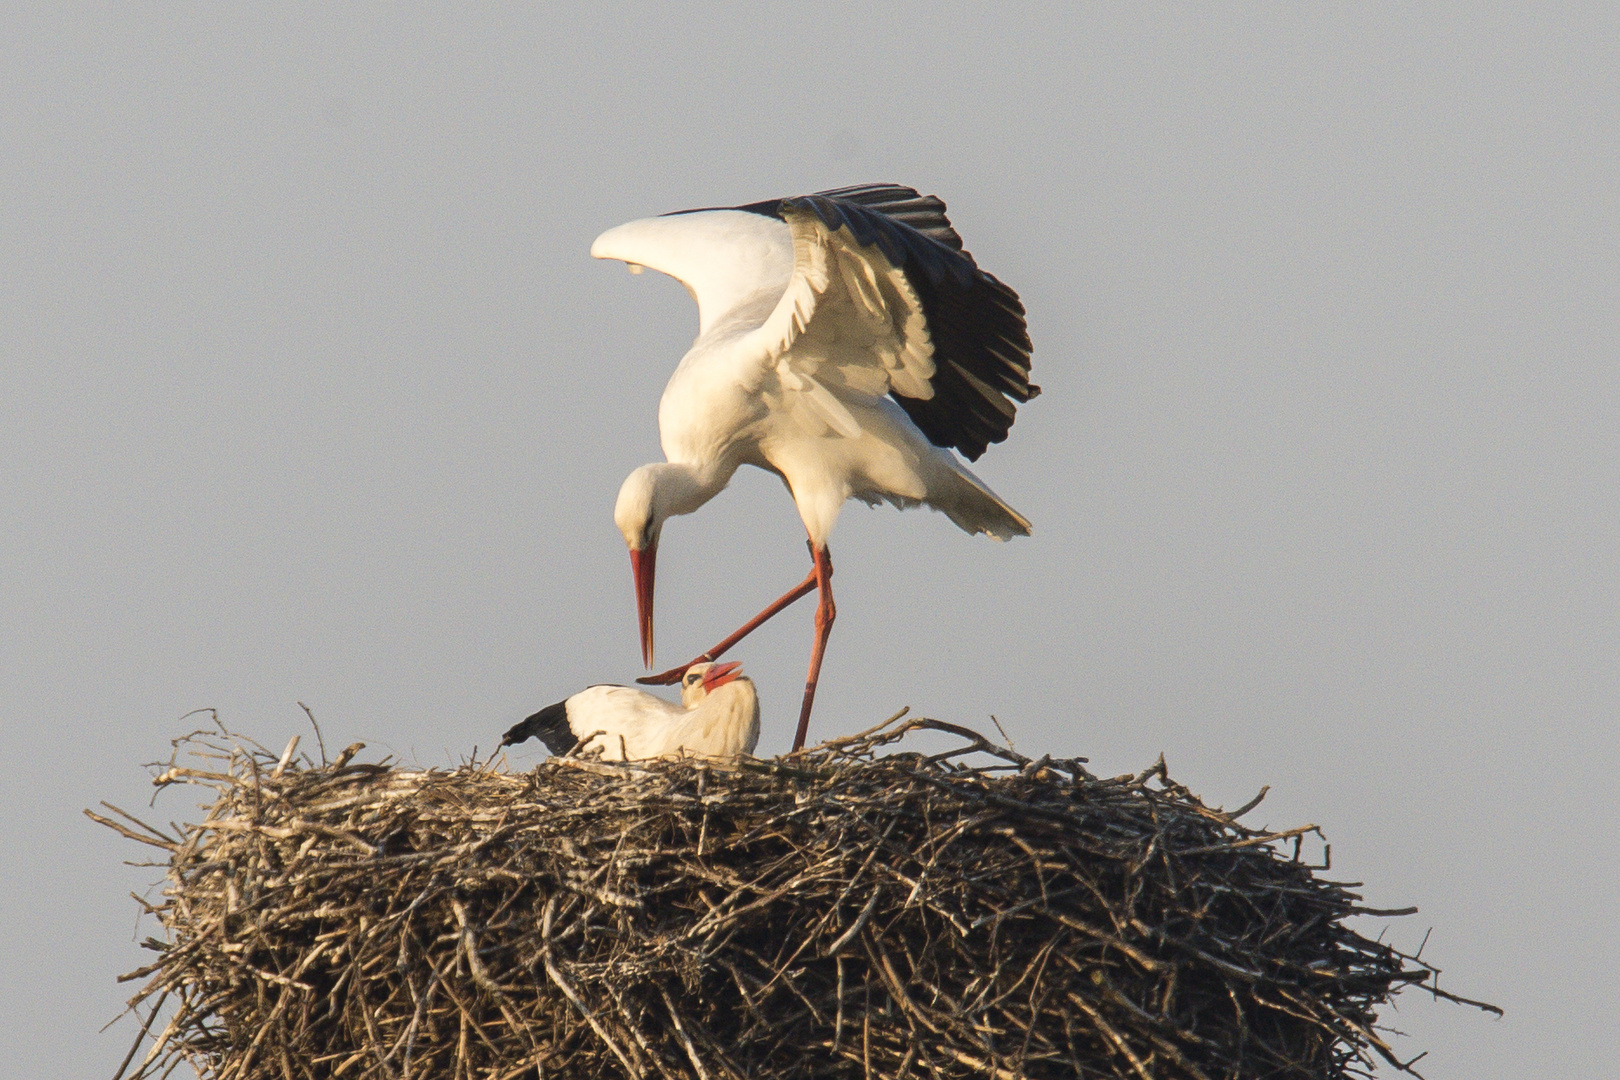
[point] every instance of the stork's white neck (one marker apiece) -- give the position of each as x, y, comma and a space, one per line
727, 721
725, 258
680, 488
661, 490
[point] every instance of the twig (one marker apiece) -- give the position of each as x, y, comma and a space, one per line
318, 740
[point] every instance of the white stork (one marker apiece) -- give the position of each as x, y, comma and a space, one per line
847, 343
718, 717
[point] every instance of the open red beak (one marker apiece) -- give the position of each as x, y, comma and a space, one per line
642, 564
721, 674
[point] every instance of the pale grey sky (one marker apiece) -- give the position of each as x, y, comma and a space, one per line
309, 391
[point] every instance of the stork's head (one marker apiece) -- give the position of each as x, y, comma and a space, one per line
650, 496
701, 680
638, 517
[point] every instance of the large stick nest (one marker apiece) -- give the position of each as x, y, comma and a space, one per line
837, 913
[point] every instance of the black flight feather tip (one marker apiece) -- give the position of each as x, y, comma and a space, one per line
550, 725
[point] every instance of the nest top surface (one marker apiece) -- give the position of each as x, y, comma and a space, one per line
860, 909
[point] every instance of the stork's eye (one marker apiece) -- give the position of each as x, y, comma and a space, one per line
692, 679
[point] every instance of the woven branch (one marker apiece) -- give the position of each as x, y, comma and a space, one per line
843, 912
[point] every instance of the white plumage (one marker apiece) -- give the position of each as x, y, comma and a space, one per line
845, 343
718, 717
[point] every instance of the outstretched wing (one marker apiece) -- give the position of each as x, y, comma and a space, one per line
884, 300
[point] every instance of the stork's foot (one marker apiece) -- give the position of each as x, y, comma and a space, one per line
674, 674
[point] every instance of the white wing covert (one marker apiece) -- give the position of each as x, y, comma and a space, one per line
620, 719
848, 321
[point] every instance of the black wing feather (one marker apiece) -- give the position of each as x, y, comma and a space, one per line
550, 725
981, 343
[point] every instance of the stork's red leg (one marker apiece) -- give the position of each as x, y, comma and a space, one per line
826, 612
673, 675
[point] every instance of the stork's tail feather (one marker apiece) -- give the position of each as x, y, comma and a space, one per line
977, 509
549, 725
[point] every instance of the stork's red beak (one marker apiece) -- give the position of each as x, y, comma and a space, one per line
642, 563
720, 674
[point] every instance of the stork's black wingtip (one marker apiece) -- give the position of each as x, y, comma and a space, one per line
1034, 392
550, 725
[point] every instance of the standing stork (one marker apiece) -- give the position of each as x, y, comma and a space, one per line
847, 343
